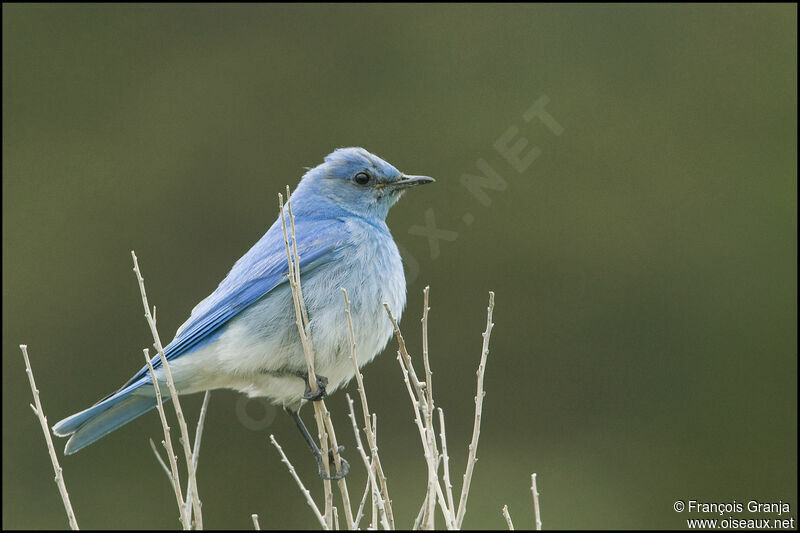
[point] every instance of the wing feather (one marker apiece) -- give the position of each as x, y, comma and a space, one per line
258, 272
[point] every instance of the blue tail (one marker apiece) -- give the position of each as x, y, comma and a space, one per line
106, 416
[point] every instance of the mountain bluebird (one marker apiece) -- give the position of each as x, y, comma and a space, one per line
244, 336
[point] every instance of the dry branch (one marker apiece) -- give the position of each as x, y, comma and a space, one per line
39, 412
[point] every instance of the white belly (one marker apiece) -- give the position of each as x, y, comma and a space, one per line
260, 348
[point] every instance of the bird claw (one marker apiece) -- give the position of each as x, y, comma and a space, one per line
322, 382
345, 466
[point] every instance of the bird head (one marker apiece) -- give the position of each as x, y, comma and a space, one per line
356, 181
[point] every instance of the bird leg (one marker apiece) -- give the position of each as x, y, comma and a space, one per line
322, 382
315, 449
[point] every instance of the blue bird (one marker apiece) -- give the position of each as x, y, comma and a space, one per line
244, 336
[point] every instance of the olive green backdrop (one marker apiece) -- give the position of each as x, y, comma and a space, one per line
643, 255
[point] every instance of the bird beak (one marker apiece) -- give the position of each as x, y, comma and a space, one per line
409, 181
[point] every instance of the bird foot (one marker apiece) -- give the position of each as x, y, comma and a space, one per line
345, 466
322, 382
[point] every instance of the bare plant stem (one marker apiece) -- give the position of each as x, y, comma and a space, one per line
377, 500
303, 489
448, 485
508, 518
423, 418
369, 429
192, 495
367, 492
167, 442
322, 416
39, 412
198, 434
348, 512
162, 463
433, 474
476, 429
535, 493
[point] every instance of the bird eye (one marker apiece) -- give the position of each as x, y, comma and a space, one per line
362, 178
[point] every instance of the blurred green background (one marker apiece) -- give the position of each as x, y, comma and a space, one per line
645, 347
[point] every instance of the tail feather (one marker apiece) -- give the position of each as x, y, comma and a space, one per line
103, 418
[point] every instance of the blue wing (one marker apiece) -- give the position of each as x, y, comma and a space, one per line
260, 270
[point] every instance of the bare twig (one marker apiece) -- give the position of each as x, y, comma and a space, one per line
422, 409
348, 512
403, 352
433, 474
420, 515
476, 429
367, 492
535, 493
162, 463
192, 496
448, 485
198, 434
39, 411
508, 518
301, 320
294, 283
377, 500
303, 489
425, 359
321, 414
369, 429
174, 476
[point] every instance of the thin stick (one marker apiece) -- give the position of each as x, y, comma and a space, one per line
448, 485
476, 429
425, 359
377, 500
419, 403
296, 258
322, 416
449, 519
256, 525
294, 280
326, 483
375, 465
420, 515
418, 386
508, 518
198, 435
424, 510
433, 475
303, 489
173, 463
348, 512
39, 411
415, 405
535, 493
192, 495
162, 463
369, 429
360, 512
